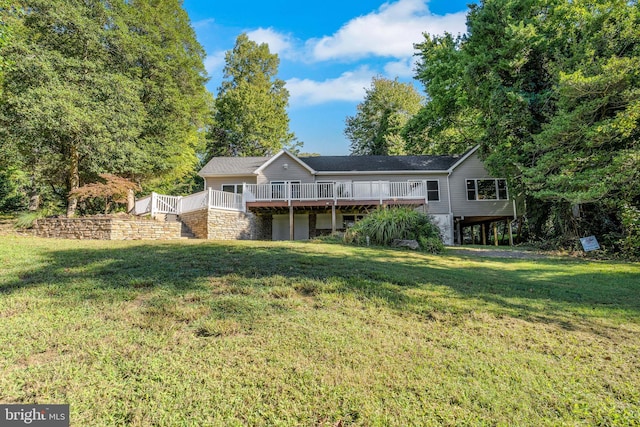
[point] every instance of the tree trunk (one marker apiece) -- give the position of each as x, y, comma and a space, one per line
34, 196
74, 180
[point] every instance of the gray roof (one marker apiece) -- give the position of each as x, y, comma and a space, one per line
380, 163
247, 165
232, 165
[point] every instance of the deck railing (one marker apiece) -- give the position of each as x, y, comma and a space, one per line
163, 204
379, 191
358, 190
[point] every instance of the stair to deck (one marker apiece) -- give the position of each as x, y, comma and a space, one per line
185, 231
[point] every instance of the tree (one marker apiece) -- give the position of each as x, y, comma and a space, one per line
448, 123
90, 90
376, 128
250, 117
168, 62
114, 189
552, 87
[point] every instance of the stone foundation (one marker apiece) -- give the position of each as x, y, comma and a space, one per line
218, 224
231, 225
104, 228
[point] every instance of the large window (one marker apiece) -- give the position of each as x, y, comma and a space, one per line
232, 188
487, 189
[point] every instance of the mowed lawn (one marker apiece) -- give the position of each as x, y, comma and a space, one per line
196, 333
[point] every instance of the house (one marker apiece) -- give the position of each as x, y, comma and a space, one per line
286, 197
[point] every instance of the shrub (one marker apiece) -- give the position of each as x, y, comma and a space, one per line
383, 226
28, 219
631, 224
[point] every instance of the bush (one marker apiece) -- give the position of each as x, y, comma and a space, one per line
383, 226
27, 219
631, 225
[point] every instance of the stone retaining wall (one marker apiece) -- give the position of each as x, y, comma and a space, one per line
197, 223
96, 228
231, 225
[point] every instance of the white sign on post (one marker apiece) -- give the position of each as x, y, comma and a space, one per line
589, 243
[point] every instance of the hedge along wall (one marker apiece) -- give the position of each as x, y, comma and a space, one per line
96, 228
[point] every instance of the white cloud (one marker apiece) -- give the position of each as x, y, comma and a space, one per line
350, 86
214, 62
390, 31
279, 43
404, 68
204, 23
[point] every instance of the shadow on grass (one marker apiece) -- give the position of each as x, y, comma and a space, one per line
543, 290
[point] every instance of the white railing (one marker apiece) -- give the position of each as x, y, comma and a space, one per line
163, 204
143, 206
225, 200
194, 202
166, 204
379, 191
356, 190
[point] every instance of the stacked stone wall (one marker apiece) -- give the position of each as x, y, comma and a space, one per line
231, 225
97, 228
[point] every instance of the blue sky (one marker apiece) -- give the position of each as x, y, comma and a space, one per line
329, 51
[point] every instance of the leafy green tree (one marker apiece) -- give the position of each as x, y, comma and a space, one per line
376, 128
90, 90
552, 89
163, 53
250, 117
448, 123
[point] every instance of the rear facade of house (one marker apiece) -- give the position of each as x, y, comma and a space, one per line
297, 198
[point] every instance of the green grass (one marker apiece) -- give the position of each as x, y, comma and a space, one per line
261, 333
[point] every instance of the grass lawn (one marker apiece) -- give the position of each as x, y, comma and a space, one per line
260, 333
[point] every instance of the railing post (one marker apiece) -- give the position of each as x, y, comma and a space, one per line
209, 197
244, 198
179, 206
153, 204
380, 191
426, 191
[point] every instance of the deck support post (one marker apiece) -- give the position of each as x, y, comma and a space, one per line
333, 219
484, 234
291, 224
495, 234
510, 232
459, 227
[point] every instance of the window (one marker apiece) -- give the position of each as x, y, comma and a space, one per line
432, 190
487, 189
232, 188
